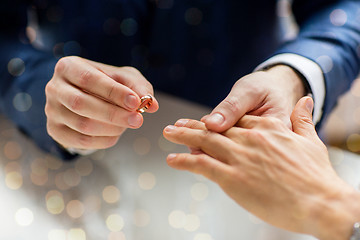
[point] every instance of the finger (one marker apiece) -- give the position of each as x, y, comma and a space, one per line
86, 125
234, 106
95, 108
70, 138
200, 164
86, 77
248, 121
189, 123
131, 78
211, 143
301, 118
241, 136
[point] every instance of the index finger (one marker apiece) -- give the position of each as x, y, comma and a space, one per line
86, 77
130, 77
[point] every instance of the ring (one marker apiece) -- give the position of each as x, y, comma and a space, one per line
146, 102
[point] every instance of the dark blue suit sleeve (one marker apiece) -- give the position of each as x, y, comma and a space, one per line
329, 35
24, 72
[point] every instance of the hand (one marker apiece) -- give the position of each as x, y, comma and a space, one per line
89, 104
273, 92
283, 177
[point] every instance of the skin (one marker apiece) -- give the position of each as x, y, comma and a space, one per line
282, 176
89, 105
273, 92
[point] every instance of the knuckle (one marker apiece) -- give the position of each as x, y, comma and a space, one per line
48, 110
131, 69
201, 160
111, 141
231, 103
256, 135
62, 64
84, 125
303, 119
111, 92
50, 128
85, 78
85, 141
271, 122
50, 88
76, 102
112, 114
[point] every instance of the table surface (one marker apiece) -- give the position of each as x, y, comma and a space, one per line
126, 192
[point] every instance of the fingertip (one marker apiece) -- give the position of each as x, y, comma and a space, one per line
168, 130
154, 107
309, 103
181, 122
135, 120
203, 119
171, 160
215, 122
171, 157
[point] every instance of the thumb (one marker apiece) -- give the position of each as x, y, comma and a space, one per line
230, 110
301, 118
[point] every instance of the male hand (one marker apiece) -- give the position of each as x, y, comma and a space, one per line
273, 92
283, 177
89, 104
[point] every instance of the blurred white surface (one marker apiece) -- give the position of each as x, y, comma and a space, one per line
126, 192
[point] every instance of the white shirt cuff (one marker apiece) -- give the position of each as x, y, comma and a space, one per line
310, 70
79, 151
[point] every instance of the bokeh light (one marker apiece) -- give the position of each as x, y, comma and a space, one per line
84, 167
57, 234
16, 67
14, 180
75, 208
111, 194
129, 27
54, 202
192, 223
12, 150
147, 181
203, 236
193, 16
24, 217
177, 219
115, 223
22, 102
338, 17
76, 234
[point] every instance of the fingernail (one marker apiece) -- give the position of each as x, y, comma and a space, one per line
309, 105
169, 128
216, 118
181, 122
171, 156
135, 120
131, 102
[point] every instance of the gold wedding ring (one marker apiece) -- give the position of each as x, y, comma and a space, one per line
146, 102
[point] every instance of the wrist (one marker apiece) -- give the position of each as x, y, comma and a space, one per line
294, 80
337, 214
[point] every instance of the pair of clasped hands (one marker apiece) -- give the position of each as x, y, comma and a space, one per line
273, 165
